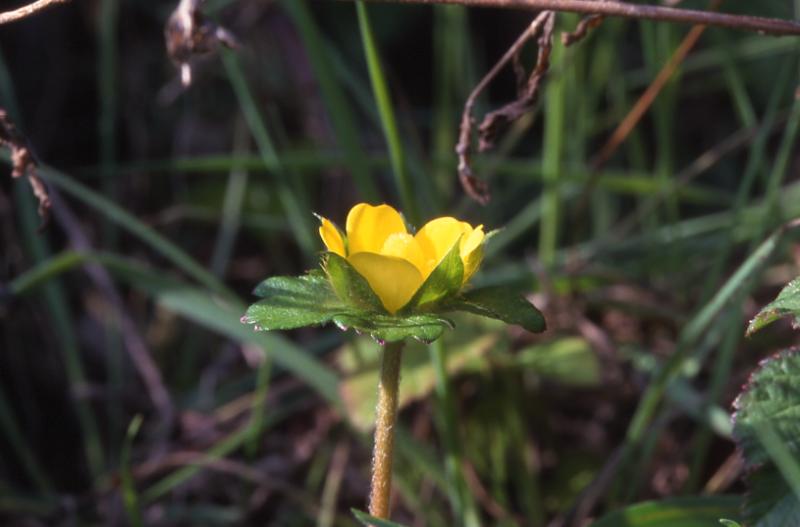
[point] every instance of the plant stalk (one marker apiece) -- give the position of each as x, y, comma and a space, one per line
771, 26
385, 417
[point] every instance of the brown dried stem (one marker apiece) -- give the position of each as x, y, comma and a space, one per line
22, 161
28, 10
772, 26
541, 26
586, 24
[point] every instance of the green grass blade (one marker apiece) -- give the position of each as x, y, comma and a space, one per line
677, 512
235, 193
380, 91
130, 496
298, 212
193, 304
63, 326
24, 455
733, 288
552, 156
126, 220
461, 501
343, 118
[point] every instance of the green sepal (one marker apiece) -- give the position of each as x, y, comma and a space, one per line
500, 303
787, 303
351, 288
444, 281
290, 302
386, 328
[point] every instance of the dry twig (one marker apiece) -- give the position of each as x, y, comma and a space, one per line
28, 10
528, 87
586, 24
22, 162
542, 26
772, 26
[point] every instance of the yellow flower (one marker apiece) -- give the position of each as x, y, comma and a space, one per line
393, 262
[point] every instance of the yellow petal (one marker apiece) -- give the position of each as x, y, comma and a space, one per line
437, 237
403, 245
368, 227
394, 280
331, 237
472, 251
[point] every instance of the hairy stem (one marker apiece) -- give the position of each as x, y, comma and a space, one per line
386, 415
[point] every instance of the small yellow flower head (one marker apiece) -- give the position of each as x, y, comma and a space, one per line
394, 262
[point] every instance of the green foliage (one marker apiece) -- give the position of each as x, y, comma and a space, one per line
345, 298
767, 429
386, 328
703, 511
770, 502
372, 521
638, 223
443, 282
292, 302
503, 304
771, 397
787, 303
569, 361
350, 287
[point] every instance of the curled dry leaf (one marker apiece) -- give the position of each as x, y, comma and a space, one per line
189, 33
494, 121
22, 161
586, 24
528, 90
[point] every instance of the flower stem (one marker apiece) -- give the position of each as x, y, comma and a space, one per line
385, 417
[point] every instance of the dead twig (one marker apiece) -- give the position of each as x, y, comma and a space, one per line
28, 10
586, 24
771, 26
542, 26
23, 162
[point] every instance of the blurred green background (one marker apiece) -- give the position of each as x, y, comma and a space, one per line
130, 394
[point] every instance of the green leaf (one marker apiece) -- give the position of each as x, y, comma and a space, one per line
767, 429
445, 280
371, 521
729, 523
702, 511
387, 328
352, 288
772, 395
786, 304
293, 301
770, 501
503, 304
